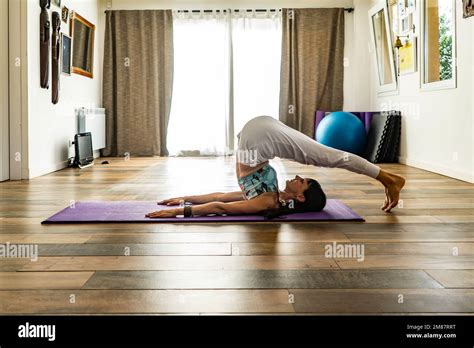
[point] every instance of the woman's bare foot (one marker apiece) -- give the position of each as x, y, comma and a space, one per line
393, 185
387, 201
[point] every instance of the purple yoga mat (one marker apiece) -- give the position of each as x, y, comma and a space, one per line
134, 211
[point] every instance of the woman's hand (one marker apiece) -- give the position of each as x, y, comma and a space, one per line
166, 213
172, 201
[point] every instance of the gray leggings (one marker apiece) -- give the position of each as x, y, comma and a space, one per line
269, 138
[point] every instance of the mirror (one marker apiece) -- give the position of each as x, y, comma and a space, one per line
382, 43
82, 33
439, 69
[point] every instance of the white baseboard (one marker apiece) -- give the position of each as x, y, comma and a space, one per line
97, 153
438, 169
35, 172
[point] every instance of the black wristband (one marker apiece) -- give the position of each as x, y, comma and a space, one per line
188, 211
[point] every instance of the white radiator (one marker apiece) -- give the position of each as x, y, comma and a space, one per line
92, 120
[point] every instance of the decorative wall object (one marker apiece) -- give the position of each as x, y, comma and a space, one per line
402, 8
406, 23
411, 6
407, 58
66, 54
57, 3
45, 42
55, 53
468, 8
406, 9
65, 14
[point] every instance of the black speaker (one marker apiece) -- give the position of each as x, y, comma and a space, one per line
84, 153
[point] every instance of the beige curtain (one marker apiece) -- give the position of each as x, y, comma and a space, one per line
312, 69
138, 76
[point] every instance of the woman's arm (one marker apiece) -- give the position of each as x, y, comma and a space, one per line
210, 197
253, 206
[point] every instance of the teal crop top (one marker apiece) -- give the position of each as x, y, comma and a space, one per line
261, 181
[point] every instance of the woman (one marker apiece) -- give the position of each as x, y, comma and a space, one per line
262, 139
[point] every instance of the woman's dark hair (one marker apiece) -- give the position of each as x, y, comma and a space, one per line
315, 200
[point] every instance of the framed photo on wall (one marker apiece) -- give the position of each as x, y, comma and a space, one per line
406, 23
402, 8
66, 54
406, 9
407, 58
411, 6
468, 8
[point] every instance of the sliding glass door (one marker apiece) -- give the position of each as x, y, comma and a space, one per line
200, 84
256, 48
226, 71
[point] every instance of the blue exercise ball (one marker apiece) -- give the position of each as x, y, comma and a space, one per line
343, 131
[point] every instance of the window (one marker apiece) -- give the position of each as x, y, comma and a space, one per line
226, 71
439, 68
382, 43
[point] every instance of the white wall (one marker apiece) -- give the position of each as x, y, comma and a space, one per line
356, 81
52, 126
437, 129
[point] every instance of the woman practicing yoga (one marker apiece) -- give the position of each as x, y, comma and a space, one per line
262, 139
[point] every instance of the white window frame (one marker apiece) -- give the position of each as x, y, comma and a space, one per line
391, 87
437, 85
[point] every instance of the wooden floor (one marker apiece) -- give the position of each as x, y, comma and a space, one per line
419, 259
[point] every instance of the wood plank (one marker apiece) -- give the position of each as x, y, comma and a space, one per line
144, 301
383, 301
314, 227
43, 280
260, 279
410, 203
420, 212
222, 237
419, 236
37, 238
398, 219
453, 278
408, 262
315, 248
457, 218
165, 249
12, 264
157, 263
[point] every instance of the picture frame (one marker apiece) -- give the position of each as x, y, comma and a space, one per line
402, 8
65, 14
406, 23
407, 57
382, 45
411, 6
66, 54
468, 8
